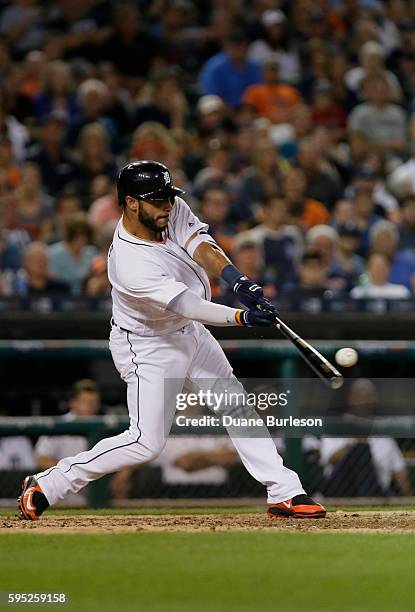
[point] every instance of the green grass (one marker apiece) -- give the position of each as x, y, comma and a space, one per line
214, 572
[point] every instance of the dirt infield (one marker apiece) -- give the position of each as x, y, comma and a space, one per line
340, 521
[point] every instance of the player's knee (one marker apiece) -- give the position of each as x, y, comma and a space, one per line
143, 447
153, 448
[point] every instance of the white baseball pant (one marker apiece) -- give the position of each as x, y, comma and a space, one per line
145, 363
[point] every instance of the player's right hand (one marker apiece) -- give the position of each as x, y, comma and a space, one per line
252, 318
251, 295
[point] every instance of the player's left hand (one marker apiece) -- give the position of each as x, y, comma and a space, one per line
256, 317
251, 295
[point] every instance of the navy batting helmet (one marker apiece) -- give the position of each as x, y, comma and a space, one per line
145, 180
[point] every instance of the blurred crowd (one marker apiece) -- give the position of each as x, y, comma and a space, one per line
289, 124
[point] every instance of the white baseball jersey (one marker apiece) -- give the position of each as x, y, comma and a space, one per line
146, 276
156, 353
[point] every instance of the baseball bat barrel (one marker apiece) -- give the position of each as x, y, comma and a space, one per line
319, 364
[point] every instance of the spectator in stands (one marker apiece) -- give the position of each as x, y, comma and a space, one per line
211, 117
317, 69
230, 72
216, 170
371, 60
105, 208
348, 264
100, 186
97, 283
407, 224
312, 275
56, 167
151, 140
216, 33
80, 26
365, 217
8, 168
71, 259
276, 44
377, 284
93, 98
215, 211
343, 212
130, 40
355, 154
304, 211
12, 245
93, 158
384, 239
260, 181
53, 46
402, 179
22, 23
15, 132
196, 460
4, 57
368, 177
401, 58
326, 111
165, 102
273, 98
363, 466
383, 123
324, 240
282, 244
119, 103
33, 206
57, 94
15, 102
300, 126
35, 279
242, 148
401, 61
324, 183
84, 401
66, 206
301, 121
33, 69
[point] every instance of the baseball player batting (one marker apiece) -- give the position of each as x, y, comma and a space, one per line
157, 265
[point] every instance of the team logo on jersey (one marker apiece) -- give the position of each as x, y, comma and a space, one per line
166, 177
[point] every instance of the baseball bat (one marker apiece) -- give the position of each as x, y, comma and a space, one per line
319, 364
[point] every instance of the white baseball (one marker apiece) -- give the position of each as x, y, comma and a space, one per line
346, 357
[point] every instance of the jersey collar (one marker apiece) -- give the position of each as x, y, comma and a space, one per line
131, 238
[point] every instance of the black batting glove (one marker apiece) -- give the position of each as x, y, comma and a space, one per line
247, 291
255, 317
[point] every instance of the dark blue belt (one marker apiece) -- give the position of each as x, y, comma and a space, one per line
114, 324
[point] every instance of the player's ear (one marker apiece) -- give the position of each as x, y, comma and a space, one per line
131, 203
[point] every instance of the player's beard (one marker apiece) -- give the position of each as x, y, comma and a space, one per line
148, 221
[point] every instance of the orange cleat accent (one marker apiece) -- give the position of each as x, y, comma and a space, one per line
300, 506
32, 502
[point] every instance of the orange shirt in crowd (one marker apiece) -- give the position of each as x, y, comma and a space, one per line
315, 213
272, 101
